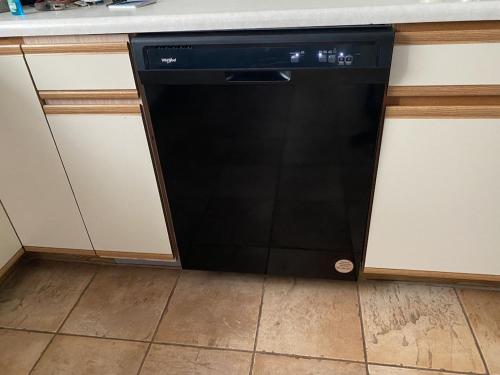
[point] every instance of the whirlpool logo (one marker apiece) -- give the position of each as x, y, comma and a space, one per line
168, 60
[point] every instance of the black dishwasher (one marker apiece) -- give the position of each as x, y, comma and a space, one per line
268, 143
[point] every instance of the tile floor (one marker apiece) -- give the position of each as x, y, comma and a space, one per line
76, 318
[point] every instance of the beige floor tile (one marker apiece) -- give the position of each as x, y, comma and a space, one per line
417, 325
19, 350
122, 302
268, 364
90, 356
318, 318
483, 310
40, 294
213, 309
384, 370
176, 360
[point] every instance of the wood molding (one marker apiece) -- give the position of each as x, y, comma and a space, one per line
100, 253
447, 36
448, 25
452, 101
452, 90
11, 49
401, 274
55, 250
75, 39
4, 271
116, 47
134, 255
116, 109
437, 111
10, 41
89, 94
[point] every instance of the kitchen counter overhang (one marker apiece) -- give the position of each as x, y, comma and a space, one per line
192, 15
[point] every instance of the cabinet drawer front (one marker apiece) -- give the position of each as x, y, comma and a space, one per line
110, 168
436, 204
446, 64
81, 71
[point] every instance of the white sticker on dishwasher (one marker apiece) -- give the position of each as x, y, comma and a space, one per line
344, 266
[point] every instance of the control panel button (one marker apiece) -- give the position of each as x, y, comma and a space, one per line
322, 56
341, 59
348, 60
332, 59
294, 57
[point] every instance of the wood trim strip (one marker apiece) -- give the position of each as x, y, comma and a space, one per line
452, 90
10, 50
447, 36
4, 271
117, 47
453, 101
60, 109
89, 94
75, 39
56, 250
10, 41
401, 274
459, 111
134, 255
447, 25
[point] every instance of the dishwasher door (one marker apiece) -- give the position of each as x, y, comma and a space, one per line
269, 171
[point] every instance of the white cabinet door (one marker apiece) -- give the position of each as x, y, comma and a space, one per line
9, 244
109, 165
437, 197
33, 185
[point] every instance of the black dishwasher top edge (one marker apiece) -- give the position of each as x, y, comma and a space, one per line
339, 48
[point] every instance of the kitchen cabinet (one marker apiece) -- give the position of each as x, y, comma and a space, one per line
9, 243
110, 168
33, 184
437, 203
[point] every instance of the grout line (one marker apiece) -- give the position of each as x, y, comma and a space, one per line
298, 356
164, 311
204, 347
439, 371
64, 321
79, 298
75, 335
263, 290
472, 332
360, 312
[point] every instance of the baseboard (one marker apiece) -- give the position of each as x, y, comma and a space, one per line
433, 276
5, 270
58, 250
101, 253
134, 255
